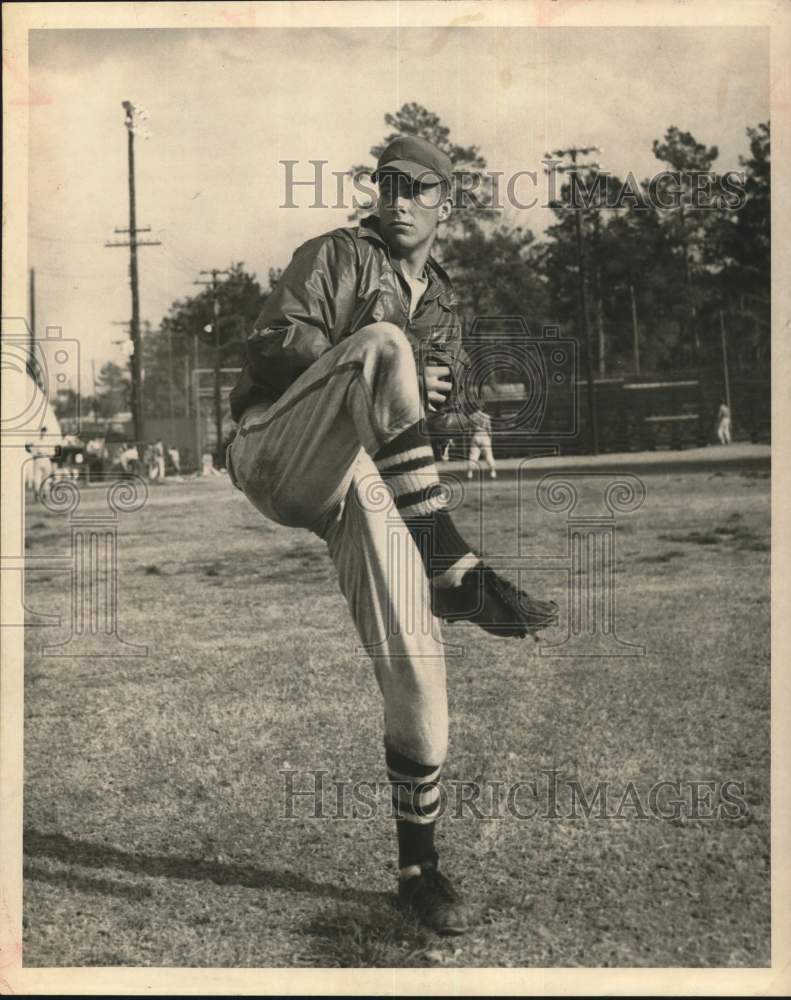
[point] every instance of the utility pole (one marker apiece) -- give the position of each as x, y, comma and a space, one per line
597, 296
195, 367
693, 318
134, 116
93, 384
724, 342
636, 332
186, 387
573, 169
170, 386
214, 328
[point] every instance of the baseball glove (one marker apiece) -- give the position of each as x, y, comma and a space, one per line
494, 604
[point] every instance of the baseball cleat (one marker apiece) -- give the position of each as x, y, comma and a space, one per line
494, 604
433, 900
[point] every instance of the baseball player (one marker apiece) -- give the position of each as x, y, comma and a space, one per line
43, 466
158, 460
724, 424
350, 364
481, 442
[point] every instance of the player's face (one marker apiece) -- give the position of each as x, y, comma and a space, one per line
409, 211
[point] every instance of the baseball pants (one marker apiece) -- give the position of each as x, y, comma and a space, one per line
42, 470
481, 445
305, 461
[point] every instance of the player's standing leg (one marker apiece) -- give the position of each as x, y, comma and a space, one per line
488, 456
472, 459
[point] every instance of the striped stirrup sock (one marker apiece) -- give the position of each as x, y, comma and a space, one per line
416, 799
406, 464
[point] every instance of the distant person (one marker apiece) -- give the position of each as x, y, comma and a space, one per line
129, 458
175, 460
42, 464
207, 465
724, 424
158, 460
481, 443
72, 456
96, 454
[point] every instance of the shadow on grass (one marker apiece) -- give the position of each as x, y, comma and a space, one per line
91, 855
661, 557
732, 531
97, 886
695, 537
300, 566
374, 936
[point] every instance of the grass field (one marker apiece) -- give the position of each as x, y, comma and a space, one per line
154, 827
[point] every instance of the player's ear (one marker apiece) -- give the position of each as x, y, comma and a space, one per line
445, 209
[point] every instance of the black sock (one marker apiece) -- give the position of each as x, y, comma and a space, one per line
416, 800
438, 541
406, 464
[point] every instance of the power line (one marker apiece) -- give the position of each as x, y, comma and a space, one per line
63, 239
72, 276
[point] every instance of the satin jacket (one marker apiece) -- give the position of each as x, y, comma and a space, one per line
335, 285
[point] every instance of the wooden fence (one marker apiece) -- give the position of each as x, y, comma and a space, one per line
633, 414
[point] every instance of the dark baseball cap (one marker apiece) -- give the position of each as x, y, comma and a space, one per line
418, 159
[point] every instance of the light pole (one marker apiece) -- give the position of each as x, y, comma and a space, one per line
133, 119
573, 169
170, 386
214, 328
635, 331
725, 372
137, 409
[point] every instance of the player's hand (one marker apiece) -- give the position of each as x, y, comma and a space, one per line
438, 384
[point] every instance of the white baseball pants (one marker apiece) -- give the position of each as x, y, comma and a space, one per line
305, 461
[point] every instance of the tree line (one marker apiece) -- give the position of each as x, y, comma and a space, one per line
659, 271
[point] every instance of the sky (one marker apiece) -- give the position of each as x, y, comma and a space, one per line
225, 106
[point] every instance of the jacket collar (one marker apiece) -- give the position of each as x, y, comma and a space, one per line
439, 282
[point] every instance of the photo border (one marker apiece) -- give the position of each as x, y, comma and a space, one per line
18, 18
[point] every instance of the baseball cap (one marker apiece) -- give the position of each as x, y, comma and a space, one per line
417, 158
